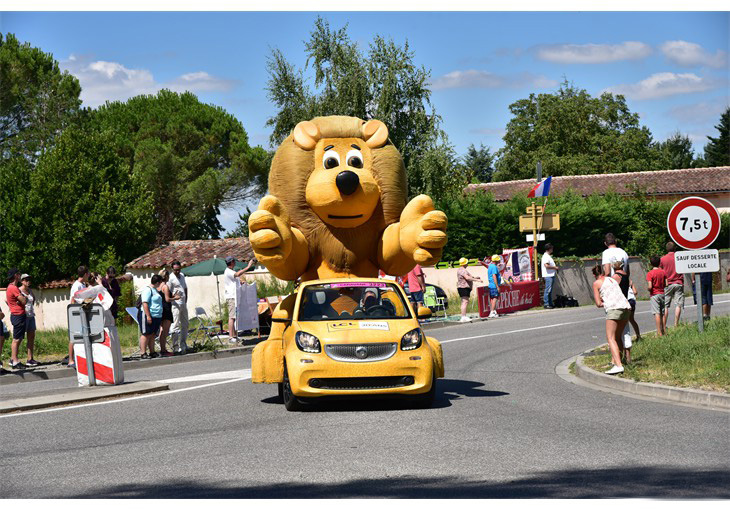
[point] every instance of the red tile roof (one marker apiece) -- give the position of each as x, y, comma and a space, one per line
192, 252
661, 182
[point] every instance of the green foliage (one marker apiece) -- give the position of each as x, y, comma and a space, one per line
241, 227
273, 287
191, 156
676, 152
573, 133
385, 83
717, 151
478, 226
83, 207
478, 164
37, 100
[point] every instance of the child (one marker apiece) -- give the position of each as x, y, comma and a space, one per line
657, 280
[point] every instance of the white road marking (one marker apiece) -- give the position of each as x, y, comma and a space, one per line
213, 376
139, 397
549, 326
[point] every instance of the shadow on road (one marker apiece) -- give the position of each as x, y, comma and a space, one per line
447, 390
621, 482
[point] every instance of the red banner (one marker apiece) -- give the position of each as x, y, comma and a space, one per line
521, 296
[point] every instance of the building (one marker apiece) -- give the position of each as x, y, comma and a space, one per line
711, 183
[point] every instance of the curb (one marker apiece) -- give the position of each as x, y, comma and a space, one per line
659, 391
83, 394
58, 373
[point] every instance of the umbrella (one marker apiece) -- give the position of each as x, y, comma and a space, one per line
208, 267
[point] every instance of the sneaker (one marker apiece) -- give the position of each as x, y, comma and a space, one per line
17, 366
72, 365
144, 356
465, 319
155, 355
614, 370
493, 314
32, 363
233, 340
166, 354
65, 361
178, 353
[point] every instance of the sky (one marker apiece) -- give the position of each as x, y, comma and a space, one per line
672, 67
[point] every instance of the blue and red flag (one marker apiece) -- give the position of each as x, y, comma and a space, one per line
542, 189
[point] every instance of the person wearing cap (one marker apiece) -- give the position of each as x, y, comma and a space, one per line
16, 303
495, 279
229, 278
464, 282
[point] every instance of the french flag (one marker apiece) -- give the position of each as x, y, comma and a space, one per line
542, 189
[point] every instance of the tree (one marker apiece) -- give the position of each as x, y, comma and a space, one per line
573, 133
478, 164
37, 100
676, 152
717, 151
82, 206
241, 227
384, 84
193, 158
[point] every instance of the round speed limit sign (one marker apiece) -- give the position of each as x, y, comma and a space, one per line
693, 223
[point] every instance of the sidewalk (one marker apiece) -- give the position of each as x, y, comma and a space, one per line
67, 396
688, 396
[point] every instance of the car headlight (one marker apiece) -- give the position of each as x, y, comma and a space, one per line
411, 340
307, 342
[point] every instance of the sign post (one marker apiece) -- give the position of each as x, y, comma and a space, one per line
694, 224
85, 326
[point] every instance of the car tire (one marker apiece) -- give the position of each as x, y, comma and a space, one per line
425, 400
291, 403
280, 388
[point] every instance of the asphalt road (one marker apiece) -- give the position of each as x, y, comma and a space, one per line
504, 425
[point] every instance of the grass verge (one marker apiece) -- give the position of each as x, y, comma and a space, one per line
684, 357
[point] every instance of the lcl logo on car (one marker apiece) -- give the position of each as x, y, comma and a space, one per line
361, 352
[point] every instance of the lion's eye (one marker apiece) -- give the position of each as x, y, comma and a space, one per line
331, 159
354, 159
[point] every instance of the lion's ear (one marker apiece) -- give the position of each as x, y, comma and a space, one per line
306, 135
374, 133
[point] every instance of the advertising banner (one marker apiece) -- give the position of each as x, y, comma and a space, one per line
520, 296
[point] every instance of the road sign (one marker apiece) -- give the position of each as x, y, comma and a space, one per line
531, 238
693, 223
697, 261
545, 222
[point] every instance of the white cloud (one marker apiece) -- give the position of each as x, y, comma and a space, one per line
662, 85
592, 53
473, 79
103, 81
687, 54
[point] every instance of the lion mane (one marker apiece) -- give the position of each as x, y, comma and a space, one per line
341, 248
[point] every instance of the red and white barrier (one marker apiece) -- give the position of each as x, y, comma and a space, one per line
107, 355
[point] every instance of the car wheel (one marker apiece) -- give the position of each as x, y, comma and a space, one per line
425, 400
280, 387
290, 401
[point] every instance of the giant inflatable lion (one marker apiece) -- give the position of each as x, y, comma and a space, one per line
338, 208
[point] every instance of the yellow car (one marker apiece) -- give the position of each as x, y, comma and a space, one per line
348, 336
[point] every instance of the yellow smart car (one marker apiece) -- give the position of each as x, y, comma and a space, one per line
348, 336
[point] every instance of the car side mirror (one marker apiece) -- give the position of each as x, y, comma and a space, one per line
281, 316
424, 312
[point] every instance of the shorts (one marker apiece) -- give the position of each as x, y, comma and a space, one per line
657, 304
417, 296
30, 324
464, 292
167, 312
632, 302
674, 292
706, 295
231, 308
493, 292
148, 328
20, 324
618, 314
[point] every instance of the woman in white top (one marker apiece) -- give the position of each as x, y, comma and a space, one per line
607, 295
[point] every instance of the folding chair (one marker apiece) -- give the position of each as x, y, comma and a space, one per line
205, 329
431, 300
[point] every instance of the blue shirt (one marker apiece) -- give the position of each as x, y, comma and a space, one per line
154, 300
492, 270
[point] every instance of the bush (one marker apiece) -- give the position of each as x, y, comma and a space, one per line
478, 226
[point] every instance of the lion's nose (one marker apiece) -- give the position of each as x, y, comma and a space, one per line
347, 182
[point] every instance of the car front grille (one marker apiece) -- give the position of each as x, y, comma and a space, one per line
361, 352
361, 383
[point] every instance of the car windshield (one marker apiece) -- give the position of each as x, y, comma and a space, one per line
352, 300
